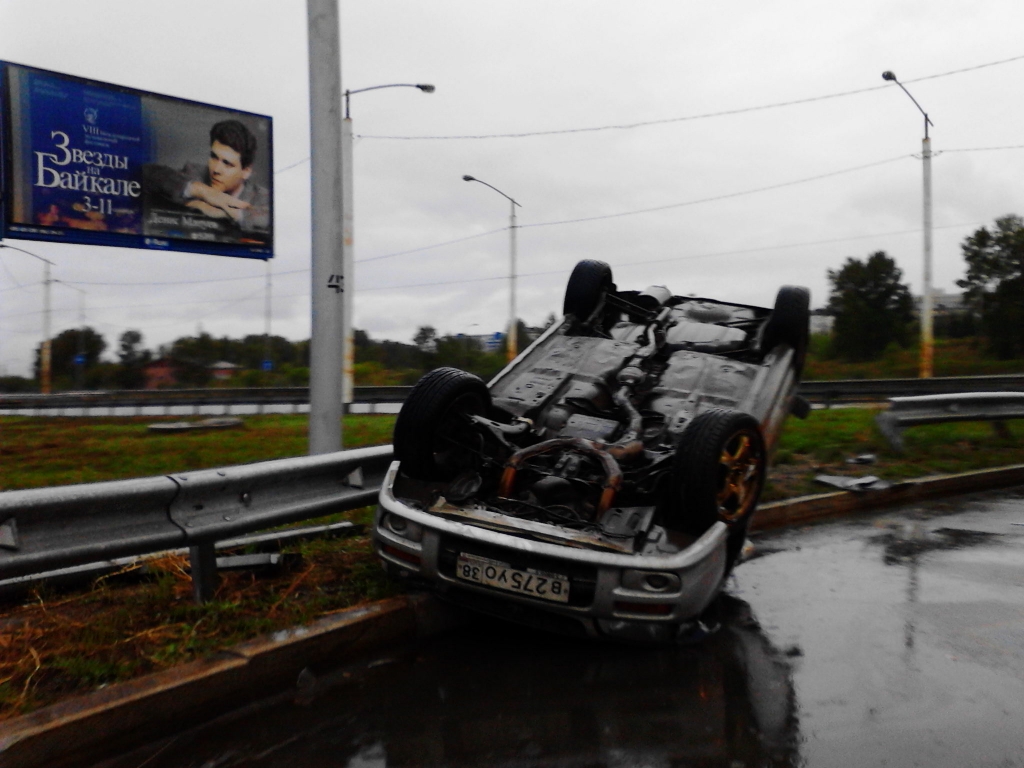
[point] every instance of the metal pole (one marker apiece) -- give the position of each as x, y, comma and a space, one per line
266, 325
927, 339
348, 237
328, 280
348, 259
80, 367
513, 323
44, 354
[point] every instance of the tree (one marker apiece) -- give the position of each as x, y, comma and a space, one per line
872, 307
995, 283
132, 359
425, 338
65, 347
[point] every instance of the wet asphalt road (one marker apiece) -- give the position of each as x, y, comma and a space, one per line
895, 639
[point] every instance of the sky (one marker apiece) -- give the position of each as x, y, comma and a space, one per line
712, 190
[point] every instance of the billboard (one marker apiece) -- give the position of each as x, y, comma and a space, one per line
99, 164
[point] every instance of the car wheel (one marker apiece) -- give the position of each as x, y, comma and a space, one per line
434, 439
717, 475
588, 285
789, 323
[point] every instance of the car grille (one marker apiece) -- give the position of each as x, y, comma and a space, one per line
582, 578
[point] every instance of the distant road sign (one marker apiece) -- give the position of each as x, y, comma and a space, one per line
493, 341
79, 359
268, 365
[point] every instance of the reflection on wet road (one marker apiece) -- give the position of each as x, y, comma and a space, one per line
896, 639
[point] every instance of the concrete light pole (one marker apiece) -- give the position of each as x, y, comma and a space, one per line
325, 349
44, 352
927, 337
348, 232
513, 324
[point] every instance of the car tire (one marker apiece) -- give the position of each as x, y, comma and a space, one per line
789, 323
588, 285
717, 475
433, 439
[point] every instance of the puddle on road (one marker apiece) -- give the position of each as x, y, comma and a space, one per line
496, 695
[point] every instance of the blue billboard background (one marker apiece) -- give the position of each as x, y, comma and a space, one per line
92, 163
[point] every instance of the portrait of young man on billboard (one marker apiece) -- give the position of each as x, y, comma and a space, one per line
216, 200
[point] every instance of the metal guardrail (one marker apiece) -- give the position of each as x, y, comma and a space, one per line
140, 398
824, 392
50, 528
905, 412
864, 390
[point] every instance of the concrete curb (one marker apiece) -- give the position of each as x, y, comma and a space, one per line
809, 509
91, 725
125, 715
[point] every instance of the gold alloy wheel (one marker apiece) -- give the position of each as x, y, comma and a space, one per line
740, 467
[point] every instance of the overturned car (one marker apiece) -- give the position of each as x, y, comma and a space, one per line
603, 482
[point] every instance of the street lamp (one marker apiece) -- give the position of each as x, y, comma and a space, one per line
44, 353
347, 232
513, 342
927, 341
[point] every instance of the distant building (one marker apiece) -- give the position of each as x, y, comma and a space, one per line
160, 374
821, 321
223, 370
944, 303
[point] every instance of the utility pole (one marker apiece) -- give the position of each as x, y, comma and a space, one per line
80, 350
328, 267
267, 363
44, 353
44, 350
513, 327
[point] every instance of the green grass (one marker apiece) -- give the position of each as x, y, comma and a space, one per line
822, 443
36, 452
953, 357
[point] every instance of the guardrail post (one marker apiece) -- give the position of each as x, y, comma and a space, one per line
203, 560
889, 426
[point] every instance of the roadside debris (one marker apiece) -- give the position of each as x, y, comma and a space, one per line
866, 483
864, 458
185, 426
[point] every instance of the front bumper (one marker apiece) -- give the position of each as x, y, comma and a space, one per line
610, 593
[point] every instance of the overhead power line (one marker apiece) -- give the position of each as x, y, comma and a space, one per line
980, 149
726, 196
619, 214
431, 247
686, 118
190, 282
691, 257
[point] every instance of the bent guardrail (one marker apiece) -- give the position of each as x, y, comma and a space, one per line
905, 412
48, 528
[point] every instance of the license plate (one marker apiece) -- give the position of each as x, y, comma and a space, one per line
493, 573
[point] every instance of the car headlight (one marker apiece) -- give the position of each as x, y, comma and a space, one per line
651, 581
400, 526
